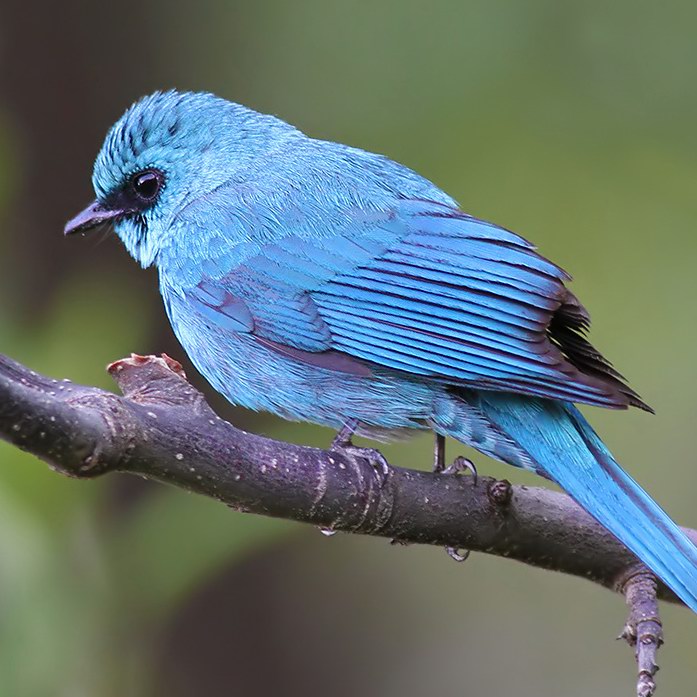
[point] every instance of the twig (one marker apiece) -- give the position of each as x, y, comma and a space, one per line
643, 630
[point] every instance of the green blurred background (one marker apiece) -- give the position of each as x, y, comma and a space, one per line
571, 123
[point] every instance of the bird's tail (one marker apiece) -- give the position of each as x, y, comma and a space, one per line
561, 444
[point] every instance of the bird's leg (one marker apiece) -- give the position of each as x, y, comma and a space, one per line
343, 437
459, 464
439, 453
342, 442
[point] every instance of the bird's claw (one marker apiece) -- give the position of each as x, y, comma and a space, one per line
342, 443
377, 460
457, 554
397, 541
462, 464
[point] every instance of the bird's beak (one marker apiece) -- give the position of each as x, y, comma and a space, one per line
95, 214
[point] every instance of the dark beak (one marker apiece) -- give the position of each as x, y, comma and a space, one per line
95, 214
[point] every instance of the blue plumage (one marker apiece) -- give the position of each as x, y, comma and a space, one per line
327, 284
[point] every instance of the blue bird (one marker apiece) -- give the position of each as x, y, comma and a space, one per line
327, 284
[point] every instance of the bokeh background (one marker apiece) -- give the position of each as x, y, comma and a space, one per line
571, 123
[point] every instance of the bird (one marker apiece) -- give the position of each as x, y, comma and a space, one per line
327, 284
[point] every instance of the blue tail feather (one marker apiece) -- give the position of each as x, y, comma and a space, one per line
556, 437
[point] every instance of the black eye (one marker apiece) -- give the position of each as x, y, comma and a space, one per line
147, 185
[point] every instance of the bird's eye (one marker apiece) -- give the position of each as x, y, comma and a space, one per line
147, 185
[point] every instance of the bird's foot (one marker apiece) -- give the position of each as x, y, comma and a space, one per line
342, 443
459, 464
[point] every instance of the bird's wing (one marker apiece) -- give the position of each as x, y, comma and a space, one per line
424, 289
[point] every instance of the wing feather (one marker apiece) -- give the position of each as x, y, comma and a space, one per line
429, 291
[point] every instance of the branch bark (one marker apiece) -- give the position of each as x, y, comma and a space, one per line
162, 428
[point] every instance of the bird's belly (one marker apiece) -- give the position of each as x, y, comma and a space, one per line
251, 375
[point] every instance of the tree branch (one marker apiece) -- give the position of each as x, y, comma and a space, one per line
644, 630
162, 428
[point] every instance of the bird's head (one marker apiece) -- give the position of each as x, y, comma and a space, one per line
168, 150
